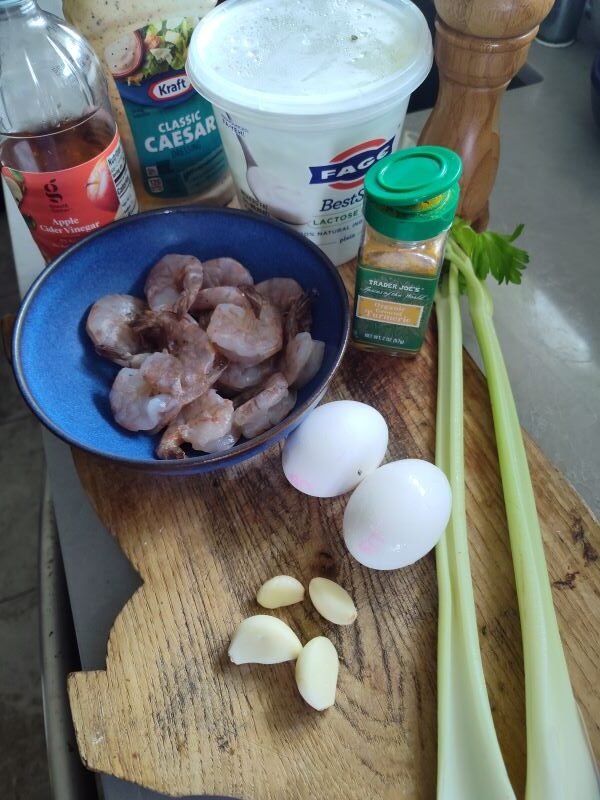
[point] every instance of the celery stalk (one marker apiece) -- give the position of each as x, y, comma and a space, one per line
560, 763
470, 765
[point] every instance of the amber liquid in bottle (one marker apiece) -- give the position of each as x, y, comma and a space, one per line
66, 146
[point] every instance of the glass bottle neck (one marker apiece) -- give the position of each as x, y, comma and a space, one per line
18, 8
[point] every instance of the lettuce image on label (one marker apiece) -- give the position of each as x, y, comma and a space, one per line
155, 49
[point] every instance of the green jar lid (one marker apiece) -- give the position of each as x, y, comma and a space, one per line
413, 194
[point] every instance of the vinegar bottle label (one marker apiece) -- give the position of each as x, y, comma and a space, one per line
62, 206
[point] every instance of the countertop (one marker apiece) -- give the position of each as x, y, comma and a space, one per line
548, 178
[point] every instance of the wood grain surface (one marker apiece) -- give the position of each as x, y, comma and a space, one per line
171, 713
479, 47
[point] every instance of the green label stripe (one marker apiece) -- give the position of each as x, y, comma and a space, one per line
394, 308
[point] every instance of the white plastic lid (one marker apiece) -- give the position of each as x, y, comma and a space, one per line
309, 58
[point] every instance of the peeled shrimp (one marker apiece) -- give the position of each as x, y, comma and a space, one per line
266, 408
109, 326
243, 335
206, 424
302, 360
172, 278
147, 399
209, 299
235, 377
282, 292
225, 272
185, 339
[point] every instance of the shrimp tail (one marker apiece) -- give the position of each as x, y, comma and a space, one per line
246, 394
157, 329
186, 300
170, 443
150, 328
211, 377
255, 299
299, 318
123, 360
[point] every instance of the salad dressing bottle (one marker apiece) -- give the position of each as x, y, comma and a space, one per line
169, 131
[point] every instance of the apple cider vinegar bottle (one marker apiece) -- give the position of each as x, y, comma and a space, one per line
60, 152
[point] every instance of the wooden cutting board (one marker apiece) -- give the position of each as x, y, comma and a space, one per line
172, 714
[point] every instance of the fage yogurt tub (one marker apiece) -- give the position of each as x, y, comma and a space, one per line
308, 94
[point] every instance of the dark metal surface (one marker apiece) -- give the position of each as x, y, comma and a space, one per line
100, 581
69, 779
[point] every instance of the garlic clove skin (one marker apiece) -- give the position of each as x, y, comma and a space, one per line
317, 673
263, 640
279, 591
332, 601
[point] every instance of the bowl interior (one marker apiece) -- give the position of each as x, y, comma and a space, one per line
67, 384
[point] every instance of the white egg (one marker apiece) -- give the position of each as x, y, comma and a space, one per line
337, 446
397, 514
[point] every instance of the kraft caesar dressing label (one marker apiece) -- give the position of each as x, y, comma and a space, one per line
174, 128
391, 309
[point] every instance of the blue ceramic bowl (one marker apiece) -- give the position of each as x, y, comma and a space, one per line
66, 383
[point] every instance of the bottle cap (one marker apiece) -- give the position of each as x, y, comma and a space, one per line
413, 194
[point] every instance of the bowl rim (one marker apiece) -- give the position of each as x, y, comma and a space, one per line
175, 465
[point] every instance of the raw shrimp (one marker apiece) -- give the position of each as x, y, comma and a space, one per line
235, 378
282, 292
266, 408
147, 399
303, 355
225, 272
209, 299
299, 316
302, 360
174, 280
109, 326
185, 339
245, 336
206, 424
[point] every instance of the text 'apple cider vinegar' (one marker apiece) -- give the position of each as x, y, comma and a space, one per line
60, 151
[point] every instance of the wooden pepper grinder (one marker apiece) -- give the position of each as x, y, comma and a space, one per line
480, 45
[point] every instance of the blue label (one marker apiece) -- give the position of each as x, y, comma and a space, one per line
173, 127
168, 89
348, 168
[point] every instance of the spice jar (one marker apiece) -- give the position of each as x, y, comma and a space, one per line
410, 201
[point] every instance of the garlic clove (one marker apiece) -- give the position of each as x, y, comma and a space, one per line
332, 601
317, 673
282, 590
263, 640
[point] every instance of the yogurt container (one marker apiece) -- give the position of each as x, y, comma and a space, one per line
308, 94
